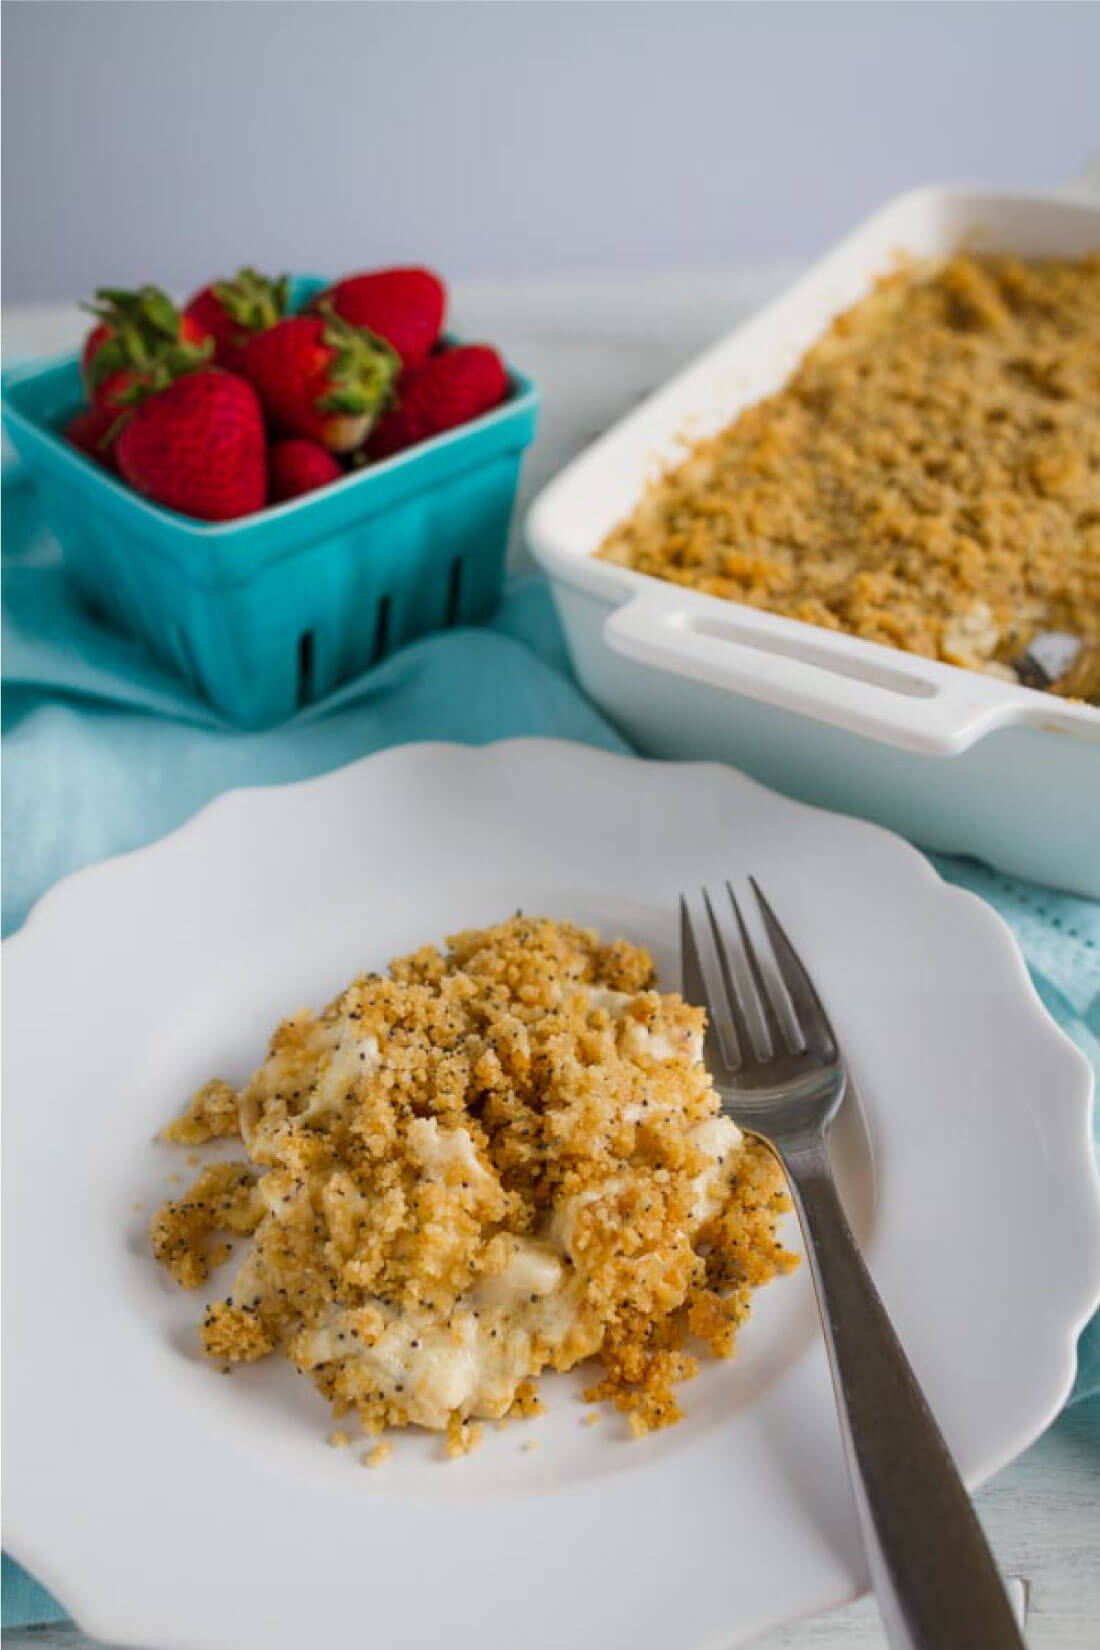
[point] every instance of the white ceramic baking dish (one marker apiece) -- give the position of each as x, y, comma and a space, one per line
954, 760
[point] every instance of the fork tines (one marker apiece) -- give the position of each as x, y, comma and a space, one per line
727, 976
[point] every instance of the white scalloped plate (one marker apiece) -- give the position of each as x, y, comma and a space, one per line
168, 1507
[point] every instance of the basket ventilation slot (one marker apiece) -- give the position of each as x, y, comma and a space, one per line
184, 658
454, 592
305, 668
381, 631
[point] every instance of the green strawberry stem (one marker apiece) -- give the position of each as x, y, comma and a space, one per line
148, 308
143, 338
364, 370
252, 300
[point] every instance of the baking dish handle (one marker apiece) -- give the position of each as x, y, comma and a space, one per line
915, 704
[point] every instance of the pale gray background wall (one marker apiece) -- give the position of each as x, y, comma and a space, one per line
169, 142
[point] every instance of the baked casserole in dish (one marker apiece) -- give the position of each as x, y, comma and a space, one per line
855, 548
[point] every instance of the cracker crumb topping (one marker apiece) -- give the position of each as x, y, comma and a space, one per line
495, 1159
928, 478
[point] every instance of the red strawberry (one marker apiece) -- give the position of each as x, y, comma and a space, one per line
198, 447
297, 466
142, 343
88, 432
230, 310
449, 389
320, 378
403, 306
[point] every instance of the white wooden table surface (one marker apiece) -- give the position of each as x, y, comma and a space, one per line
595, 346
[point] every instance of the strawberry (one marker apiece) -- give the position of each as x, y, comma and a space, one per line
142, 343
297, 466
403, 306
92, 432
320, 378
449, 389
198, 447
230, 310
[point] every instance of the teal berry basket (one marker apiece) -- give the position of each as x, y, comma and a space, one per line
266, 615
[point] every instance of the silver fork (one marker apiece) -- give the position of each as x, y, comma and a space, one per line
934, 1576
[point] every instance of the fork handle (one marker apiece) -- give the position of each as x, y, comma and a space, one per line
935, 1579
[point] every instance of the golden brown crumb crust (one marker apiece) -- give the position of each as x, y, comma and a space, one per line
929, 477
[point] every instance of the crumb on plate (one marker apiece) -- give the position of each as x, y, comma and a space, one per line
462, 1437
212, 1113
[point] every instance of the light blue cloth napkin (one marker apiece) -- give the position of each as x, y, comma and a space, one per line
103, 751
